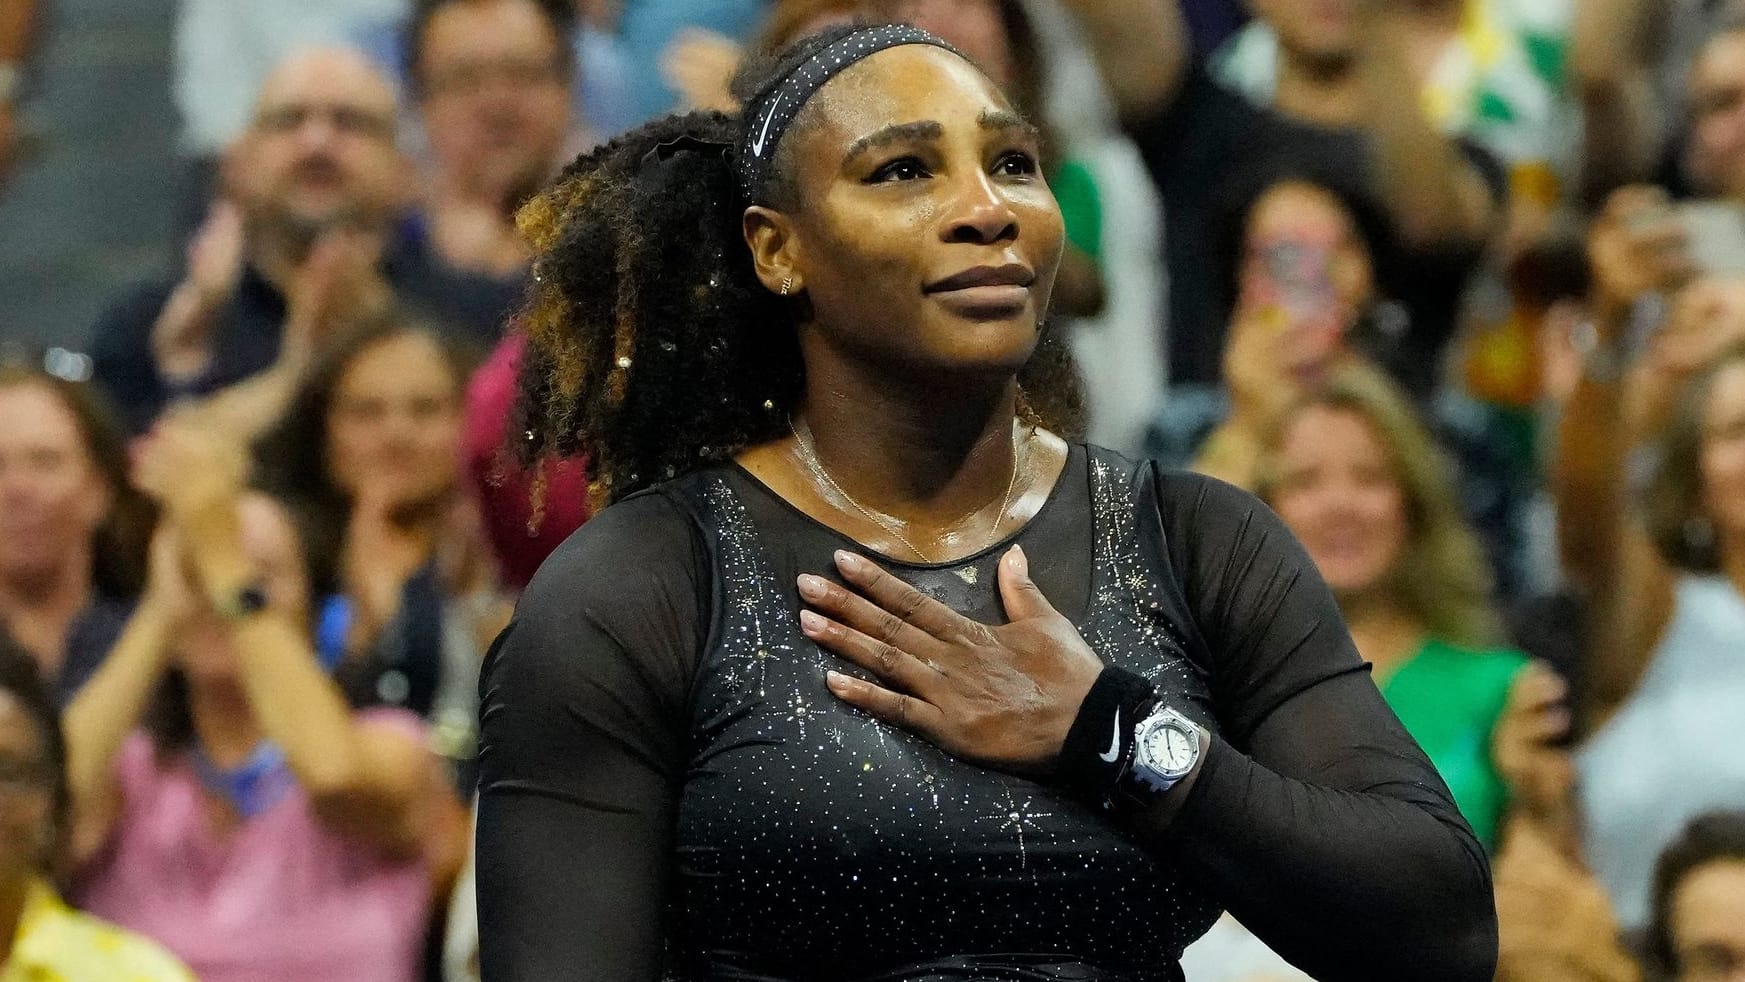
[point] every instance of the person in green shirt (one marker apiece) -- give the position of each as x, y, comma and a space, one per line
1358, 478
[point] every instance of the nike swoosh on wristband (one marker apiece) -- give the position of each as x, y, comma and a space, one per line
757, 144
1114, 742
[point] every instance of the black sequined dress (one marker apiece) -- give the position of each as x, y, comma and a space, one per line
669, 789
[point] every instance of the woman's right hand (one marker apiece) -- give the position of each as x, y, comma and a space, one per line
169, 589
1635, 247
1539, 774
1555, 922
379, 555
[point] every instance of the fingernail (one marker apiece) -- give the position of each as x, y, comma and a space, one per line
811, 587
811, 623
847, 560
836, 680
1020, 563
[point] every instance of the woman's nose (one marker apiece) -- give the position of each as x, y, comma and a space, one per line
982, 215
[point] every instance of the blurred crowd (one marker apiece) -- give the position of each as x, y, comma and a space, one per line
1456, 286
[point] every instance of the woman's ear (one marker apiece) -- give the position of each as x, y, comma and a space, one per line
775, 248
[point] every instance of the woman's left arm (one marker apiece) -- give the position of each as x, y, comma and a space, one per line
1315, 818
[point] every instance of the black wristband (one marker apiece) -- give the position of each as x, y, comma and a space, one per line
1099, 746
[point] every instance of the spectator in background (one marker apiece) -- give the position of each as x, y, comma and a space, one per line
1664, 574
1348, 109
1712, 159
1299, 257
647, 27
225, 50
227, 801
1697, 933
72, 530
1492, 71
368, 459
304, 243
1357, 477
1632, 63
41, 939
492, 81
16, 21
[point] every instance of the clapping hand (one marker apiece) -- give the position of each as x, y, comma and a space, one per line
197, 477
380, 553
181, 339
1004, 696
338, 285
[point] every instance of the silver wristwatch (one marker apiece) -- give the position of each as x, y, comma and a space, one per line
1166, 746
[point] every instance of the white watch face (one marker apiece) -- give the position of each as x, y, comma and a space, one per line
1170, 748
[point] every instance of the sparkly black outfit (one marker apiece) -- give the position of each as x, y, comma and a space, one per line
668, 788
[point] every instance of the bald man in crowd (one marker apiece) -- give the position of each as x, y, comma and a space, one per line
307, 235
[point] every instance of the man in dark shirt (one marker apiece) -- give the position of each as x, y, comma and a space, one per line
1347, 116
306, 240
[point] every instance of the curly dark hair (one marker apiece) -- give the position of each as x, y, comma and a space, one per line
653, 348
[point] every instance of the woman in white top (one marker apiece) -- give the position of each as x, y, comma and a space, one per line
1665, 570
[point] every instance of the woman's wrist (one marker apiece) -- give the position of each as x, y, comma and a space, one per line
1098, 750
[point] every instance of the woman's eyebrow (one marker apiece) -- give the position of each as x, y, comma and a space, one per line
925, 129
1000, 119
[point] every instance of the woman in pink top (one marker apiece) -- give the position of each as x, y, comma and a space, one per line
249, 820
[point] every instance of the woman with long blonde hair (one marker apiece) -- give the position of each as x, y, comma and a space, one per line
1359, 479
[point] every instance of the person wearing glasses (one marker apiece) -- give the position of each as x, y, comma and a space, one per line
305, 239
41, 938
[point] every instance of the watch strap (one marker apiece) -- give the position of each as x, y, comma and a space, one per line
1099, 747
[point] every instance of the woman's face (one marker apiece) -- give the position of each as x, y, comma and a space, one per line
1303, 256
1337, 491
1723, 454
26, 793
926, 239
269, 541
1707, 923
52, 496
393, 426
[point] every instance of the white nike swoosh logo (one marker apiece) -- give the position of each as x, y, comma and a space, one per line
1114, 742
757, 144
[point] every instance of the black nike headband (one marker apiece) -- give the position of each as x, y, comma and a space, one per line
770, 116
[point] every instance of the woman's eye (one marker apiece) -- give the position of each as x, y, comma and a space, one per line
1016, 164
904, 169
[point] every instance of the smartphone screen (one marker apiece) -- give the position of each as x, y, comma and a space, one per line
1715, 236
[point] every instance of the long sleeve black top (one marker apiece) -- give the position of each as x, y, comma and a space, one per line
668, 790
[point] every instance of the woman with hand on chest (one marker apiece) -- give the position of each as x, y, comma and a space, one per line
867, 672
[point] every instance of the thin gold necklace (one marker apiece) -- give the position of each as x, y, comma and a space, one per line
816, 466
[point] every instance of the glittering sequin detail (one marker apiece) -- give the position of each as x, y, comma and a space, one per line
814, 841
1129, 622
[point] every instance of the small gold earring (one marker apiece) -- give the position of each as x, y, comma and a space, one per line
787, 286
